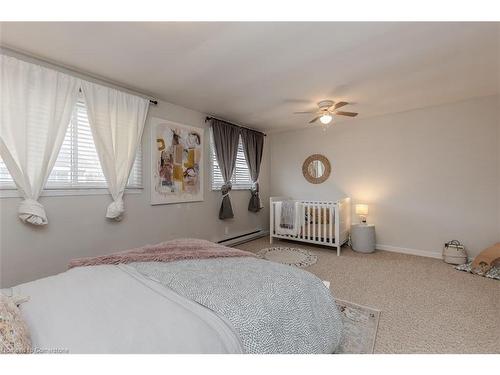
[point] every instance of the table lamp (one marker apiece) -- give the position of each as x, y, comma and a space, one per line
362, 211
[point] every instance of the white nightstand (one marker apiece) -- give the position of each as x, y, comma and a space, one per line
363, 238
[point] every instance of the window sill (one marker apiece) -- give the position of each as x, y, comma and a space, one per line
14, 193
233, 189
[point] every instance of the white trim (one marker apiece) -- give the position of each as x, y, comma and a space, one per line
404, 250
234, 188
14, 193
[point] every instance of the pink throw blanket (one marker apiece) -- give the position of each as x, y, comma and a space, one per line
168, 251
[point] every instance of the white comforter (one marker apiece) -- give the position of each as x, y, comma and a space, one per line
219, 305
114, 309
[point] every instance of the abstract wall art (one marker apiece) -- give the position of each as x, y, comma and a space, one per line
177, 162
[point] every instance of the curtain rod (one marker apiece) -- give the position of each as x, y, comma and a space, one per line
25, 56
151, 101
208, 118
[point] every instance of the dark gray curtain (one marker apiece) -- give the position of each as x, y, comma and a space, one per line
253, 145
226, 137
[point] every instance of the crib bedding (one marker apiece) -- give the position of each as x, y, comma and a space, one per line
216, 305
292, 226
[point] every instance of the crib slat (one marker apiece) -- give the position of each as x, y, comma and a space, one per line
326, 223
315, 209
332, 215
306, 229
309, 221
274, 218
325, 236
313, 222
327, 227
304, 221
320, 221
318, 212
299, 229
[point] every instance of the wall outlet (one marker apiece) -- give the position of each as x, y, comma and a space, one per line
226, 230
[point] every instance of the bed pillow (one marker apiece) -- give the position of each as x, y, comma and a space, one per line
14, 333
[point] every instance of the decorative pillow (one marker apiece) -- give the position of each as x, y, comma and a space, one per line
14, 333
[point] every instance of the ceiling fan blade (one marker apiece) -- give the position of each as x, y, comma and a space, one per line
339, 104
350, 114
314, 119
300, 113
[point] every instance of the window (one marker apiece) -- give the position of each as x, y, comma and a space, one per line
77, 165
241, 176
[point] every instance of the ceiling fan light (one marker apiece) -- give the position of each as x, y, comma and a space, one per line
326, 118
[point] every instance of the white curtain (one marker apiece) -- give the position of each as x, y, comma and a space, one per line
36, 106
117, 121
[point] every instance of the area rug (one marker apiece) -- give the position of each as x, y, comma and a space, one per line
360, 327
493, 273
288, 255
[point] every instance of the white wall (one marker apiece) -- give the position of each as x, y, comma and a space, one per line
428, 175
77, 227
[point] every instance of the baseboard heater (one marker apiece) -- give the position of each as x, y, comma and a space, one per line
245, 237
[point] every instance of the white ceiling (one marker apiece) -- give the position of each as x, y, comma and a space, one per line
257, 74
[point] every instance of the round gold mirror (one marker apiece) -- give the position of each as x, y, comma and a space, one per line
316, 169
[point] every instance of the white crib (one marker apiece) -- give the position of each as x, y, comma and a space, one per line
319, 222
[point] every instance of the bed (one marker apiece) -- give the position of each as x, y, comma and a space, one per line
324, 223
181, 296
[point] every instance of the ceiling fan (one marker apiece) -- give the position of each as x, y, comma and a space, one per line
327, 109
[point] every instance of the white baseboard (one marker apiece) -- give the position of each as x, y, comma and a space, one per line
404, 250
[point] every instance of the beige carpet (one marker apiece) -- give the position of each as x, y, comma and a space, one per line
427, 306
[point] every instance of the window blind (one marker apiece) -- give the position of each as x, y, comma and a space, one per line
77, 165
241, 176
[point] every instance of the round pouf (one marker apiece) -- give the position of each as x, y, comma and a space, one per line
288, 255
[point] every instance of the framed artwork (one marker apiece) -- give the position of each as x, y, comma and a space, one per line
177, 162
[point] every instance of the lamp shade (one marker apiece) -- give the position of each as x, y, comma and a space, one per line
362, 209
326, 118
